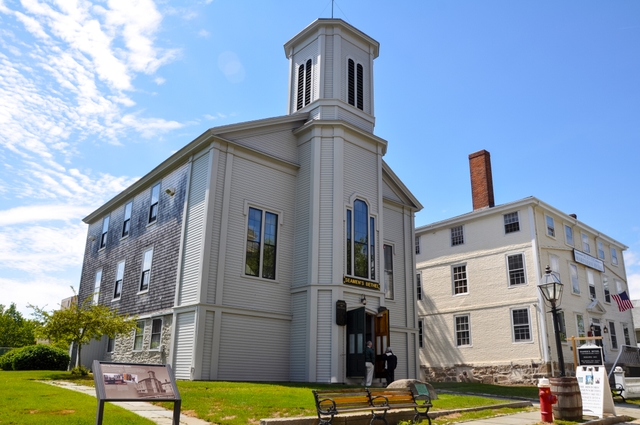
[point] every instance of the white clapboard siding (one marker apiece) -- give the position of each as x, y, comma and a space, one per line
253, 348
325, 257
389, 193
299, 326
310, 51
184, 343
361, 175
281, 143
350, 51
207, 345
356, 120
323, 343
399, 346
196, 210
394, 233
302, 218
328, 67
220, 169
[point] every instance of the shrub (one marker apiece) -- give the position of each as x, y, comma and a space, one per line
80, 371
39, 357
6, 360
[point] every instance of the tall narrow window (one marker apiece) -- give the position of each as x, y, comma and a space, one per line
153, 205
105, 231
457, 235
420, 333
156, 333
605, 288
126, 224
568, 235
138, 337
300, 97
460, 280
554, 263
96, 286
262, 233
111, 342
517, 275
612, 335
117, 291
580, 325
355, 84
463, 330
625, 332
551, 226
146, 270
349, 243
585, 243
563, 326
520, 324
388, 271
575, 283
307, 83
592, 285
372, 249
511, 222
417, 244
418, 287
600, 250
359, 86
360, 252
614, 256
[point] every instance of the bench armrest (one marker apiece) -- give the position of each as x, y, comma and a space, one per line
331, 406
379, 401
422, 397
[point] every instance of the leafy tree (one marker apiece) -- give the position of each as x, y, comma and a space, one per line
80, 323
15, 331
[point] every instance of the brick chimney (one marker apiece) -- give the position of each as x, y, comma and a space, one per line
481, 181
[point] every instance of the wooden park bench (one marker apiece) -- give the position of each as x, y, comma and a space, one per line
330, 403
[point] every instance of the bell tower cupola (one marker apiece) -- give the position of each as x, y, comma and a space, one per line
331, 73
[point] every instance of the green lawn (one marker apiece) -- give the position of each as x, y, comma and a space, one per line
530, 392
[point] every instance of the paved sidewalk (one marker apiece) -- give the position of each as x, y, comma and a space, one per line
157, 414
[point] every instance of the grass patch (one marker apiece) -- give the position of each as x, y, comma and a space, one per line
530, 392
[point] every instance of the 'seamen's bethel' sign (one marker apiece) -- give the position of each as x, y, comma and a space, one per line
590, 356
135, 382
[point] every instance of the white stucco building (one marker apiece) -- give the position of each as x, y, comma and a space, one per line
269, 250
480, 312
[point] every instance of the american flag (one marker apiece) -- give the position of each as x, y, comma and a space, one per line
624, 303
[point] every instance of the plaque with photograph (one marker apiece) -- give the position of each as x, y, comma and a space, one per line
131, 381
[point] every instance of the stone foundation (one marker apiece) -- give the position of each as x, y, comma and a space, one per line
504, 374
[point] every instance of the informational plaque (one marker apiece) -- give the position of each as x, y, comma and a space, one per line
593, 382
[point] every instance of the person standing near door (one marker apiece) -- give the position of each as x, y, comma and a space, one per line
370, 362
390, 363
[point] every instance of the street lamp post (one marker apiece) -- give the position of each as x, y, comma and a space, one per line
551, 289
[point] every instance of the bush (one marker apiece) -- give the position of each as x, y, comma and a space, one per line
80, 371
36, 357
6, 360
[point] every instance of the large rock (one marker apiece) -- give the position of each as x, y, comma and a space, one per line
410, 383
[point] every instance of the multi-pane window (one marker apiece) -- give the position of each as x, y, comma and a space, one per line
126, 224
388, 271
262, 234
138, 338
563, 326
600, 250
153, 204
355, 77
117, 291
605, 288
463, 330
575, 283
460, 279
568, 235
418, 287
551, 226
156, 333
304, 85
614, 256
146, 269
585, 243
516, 269
580, 325
105, 230
417, 244
592, 285
520, 324
360, 235
96, 286
612, 335
457, 236
554, 263
420, 333
511, 222
625, 332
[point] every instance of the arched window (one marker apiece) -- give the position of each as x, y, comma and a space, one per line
355, 84
304, 85
360, 241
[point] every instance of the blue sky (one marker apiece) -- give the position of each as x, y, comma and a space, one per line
93, 95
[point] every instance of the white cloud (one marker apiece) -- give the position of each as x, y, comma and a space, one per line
40, 290
231, 67
203, 33
214, 117
159, 81
633, 282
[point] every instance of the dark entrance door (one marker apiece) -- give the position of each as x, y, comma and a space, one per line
356, 329
382, 341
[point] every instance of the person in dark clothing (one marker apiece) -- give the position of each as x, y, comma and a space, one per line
390, 363
370, 363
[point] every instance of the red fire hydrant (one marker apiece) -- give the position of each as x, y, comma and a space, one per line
547, 400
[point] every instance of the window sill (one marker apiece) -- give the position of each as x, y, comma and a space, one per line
116, 299
261, 279
124, 237
153, 223
145, 291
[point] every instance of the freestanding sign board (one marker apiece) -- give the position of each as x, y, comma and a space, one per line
135, 382
593, 382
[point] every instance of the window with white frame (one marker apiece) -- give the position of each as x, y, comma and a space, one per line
554, 263
520, 324
457, 235
138, 337
575, 283
420, 333
304, 85
625, 332
605, 289
568, 235
96, 286
614, 256
388, 271
153, 203
460, 279
355, 84
156, 334
147, 257
580, 325
585, 243
126, 224
515, 265
592, 284
117, 290
262, 237
418, 286
463, 330
563, 326
511, 222
600, 246
417, 244
551, 226
619, 288
612, 335
105, 230
361, 245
